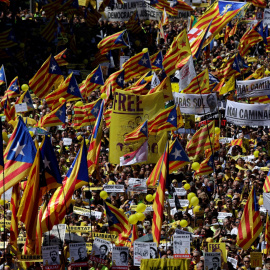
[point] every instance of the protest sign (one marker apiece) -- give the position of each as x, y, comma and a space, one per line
253, 88
101, 248
183, 203
55, 236
222, 215
67, 141
212, 260
182, 264
78, 254
180, 192
242, 114
255, 259
120, 258
266, 19
141, 251
196, 104
123, 60
114, 188
219, 247
137, 185
86, 212
225, 140
181, 246
51, 258
233, 261
153, 250
22, 107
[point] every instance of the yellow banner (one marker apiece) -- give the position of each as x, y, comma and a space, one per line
7, 223
80, 210
158, 264
133, 207
255, 259
87, 229
175, 87
218, 247
30, 258
21, 240
128, 112
89, 247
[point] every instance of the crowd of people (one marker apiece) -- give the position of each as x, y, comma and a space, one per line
225, 190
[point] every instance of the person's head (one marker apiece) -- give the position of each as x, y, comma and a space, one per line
196, 256
81, 252
123, 256
200, 265
103, 249
215, 261
152, 252
246, 262
211, 101
53, 255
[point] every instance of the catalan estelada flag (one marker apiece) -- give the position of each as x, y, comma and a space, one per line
55, 118
266, 186
250, 225
115, 80
42, 82
133, 24
52, 176
206, 167
49, 31
117, 220
227, 32
140, 132
156, 60
116, 41
201, 141
238, 142
2, 75
61, 58
137, 65
76, 177
161, 4
14, 205
177, 159
94, 147
18, 157
26, 98
158, 205
1, 149
13, 89
9, 110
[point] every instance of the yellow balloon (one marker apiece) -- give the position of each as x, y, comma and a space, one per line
256, 153
195, 166
22, 45
209, 240
196, 209
62, 100
5, 136
1, 202
183, 223
149, 197
133, 219
141, 207
191, 195
140, 216
24, 87
260, 202
145, 50
111, 183
217, 130
79, 104
194, 201
103, 96
79, 138
103, 195
154, 196
187, 186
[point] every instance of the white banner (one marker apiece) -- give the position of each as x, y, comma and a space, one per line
114, 188
55, 236
145, 11
180, 192
186, 74
212, 260
242, 114
120, 258
253, 88
181, 246
266, 19
137, 185
50, 255
196, 104
141, 251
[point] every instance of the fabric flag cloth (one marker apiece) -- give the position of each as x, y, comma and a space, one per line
52, 176
7, 39
266, 186
181, 5
113, 42
3, 79
156, 60
50, 30
68, 89
178, 54
114, 81
14, 204
43, 81
186, 74
76, 177
137, 65
26, 98
60, 58
165, 88
227, 32
133, 24
1, 148
13, 89
265, 34
177, 159
206, 167
155, 81
137, 156
18, 157
134, 233
250, 225
56, 118
95, 142
158, 205
164, 18
117, 220
201, 141
229, 86
9, 110
164, 4
140, 132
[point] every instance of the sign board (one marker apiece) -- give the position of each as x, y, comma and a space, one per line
181, 246
51, 259
255, 259
114, 188
22, 107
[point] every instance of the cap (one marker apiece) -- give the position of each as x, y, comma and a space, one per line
174, 181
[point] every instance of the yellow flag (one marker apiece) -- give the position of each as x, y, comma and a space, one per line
182, 264
229, 86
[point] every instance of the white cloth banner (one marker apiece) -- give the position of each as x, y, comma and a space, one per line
196, 104
155, 80
266, 18
253, 88
242, 114
186, 74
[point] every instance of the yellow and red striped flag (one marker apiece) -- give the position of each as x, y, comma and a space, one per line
138, 133
266, 186
259, 3
38, 242
181, 5
250, 225
164, 18
267, 234
158, 205
115, 81
206, 167
201, 141
13, 89
52, 7
14, 204
165, 87
227, 32
233, 31
257, 74
43, 81
113, 42
68, 90
7, 39
133, 24
49, 31
5, 2
199, 84
107, 117
137, 65
61, 58
164, 4
238, 142
178, 54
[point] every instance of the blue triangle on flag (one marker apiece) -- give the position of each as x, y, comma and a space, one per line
144, 129
177, 152
121, 79
97, 77
120, 39
61, 113
54, 68
158, 61
96, 108
15, 86
73, 87
173, 117
145, 61
210, 162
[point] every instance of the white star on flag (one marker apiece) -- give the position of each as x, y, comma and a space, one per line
177, 153
60, 112
26, 99
120, 79
95, 110
144, 60
18, 149
72, 88
53, 67
144, 129
158, 61
96, 77
234, 65
46, 163
172, 118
